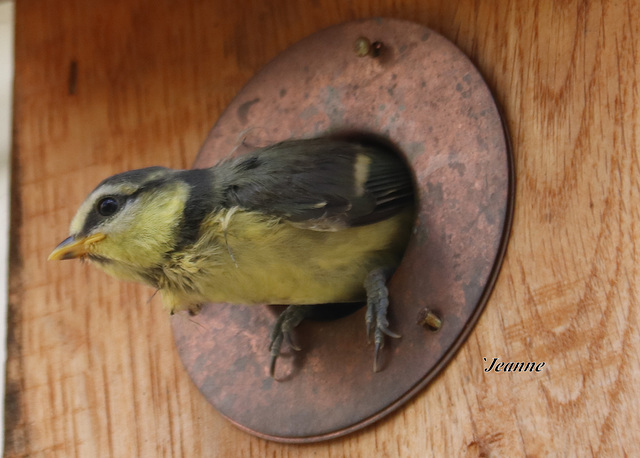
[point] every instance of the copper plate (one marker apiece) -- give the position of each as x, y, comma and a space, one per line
427, 97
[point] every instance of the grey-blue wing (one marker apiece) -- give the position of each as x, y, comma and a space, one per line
320, 184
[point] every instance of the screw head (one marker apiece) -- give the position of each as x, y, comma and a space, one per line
362, 46
429, 319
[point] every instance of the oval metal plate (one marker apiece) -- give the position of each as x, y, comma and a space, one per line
428, 98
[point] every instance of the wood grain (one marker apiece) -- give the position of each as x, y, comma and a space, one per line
106, 86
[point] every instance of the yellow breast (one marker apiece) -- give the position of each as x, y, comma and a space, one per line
248, 258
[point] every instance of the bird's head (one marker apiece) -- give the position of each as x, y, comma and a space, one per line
128, 223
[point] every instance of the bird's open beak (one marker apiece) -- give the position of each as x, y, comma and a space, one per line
72, 248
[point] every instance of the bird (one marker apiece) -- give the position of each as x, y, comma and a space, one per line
301, 222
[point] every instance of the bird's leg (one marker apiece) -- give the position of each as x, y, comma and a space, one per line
287, 321
377, 304
195, 309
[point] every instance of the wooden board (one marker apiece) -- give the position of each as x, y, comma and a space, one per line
103, 87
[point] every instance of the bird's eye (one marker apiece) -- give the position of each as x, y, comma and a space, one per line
107, 206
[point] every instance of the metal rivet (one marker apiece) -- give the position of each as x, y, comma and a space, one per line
429, 319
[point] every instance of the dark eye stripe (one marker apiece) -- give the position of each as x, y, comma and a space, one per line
96, 217
103, 209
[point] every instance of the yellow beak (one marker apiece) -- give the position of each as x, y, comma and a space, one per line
72, 248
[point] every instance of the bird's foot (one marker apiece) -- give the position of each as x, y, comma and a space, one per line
377, 304
287, 321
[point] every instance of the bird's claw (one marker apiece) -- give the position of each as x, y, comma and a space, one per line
376, 315
287, 321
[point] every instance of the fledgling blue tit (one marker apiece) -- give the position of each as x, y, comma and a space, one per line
298, 223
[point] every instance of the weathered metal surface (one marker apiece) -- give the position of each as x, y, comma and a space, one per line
422, 93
